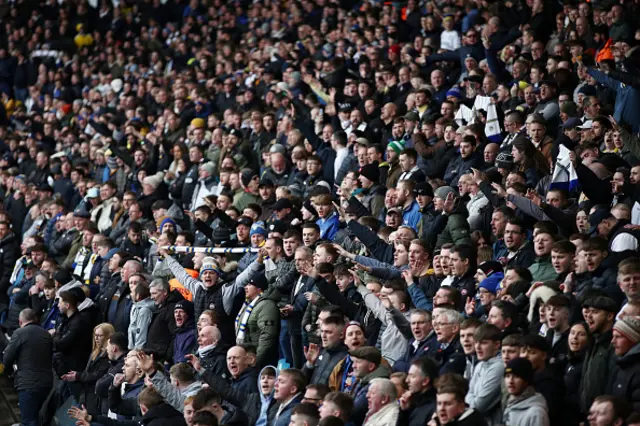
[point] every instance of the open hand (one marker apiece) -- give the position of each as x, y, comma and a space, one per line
311, 353
79, 413
194, 361
146, 363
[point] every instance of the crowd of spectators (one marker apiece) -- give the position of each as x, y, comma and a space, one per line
439, 203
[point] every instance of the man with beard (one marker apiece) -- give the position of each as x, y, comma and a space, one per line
520, 251
469, 158
343, 376
599, 314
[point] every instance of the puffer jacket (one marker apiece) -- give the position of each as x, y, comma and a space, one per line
598, 366
527, 409
626, 380
263, 330
141, 314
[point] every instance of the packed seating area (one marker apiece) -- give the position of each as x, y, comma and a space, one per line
324, 212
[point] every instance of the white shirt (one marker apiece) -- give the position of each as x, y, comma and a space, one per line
341, 154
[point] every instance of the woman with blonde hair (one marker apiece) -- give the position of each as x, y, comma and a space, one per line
83, 383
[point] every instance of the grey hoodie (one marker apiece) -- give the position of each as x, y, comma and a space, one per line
527, 409
484, 388
141, 314
171, 394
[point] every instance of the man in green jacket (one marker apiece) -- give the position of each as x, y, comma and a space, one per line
258, 322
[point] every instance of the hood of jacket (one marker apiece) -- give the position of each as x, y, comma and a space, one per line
146, 303
264, 397
630, 358
10, 238
524, 403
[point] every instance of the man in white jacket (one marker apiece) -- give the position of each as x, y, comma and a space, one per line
484, 387
383, 407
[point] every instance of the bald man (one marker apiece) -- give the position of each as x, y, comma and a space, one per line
211, 351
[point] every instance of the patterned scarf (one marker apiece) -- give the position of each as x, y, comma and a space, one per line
243, 318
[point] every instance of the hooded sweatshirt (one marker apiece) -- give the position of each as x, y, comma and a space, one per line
526, 409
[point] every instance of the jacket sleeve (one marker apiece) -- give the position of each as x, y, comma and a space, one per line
378, 248
627, 78
418, 297
125, 407
401, 323
603, 79
69, 339
527, 207
385, 273
333, 296
374, 304
144, 320
8, 261
103, 384
486, 189
12, 350
459, 229
181, 275
93, 376
268, 323
228, 393
170, 393
496, 66
596, 189
565, 222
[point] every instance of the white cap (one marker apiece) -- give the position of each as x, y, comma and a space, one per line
586, 125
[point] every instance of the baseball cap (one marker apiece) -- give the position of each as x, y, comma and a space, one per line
572, 122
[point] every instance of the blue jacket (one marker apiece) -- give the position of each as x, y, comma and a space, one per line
627, 106
412, 216
328, 227
285, 415
428, 347
184, 343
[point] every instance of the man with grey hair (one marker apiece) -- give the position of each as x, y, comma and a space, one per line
448, 352
383, 409
163, 324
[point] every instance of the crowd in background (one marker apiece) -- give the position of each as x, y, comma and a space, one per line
439, 203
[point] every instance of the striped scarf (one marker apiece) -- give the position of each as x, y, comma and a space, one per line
243, 318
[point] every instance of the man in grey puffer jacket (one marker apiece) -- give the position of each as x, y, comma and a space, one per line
525, 407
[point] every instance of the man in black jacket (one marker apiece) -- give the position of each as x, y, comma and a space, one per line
319, 365
31, 349
8, 256
72, 336
116, 351
546, 381
418, 403
163, 324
